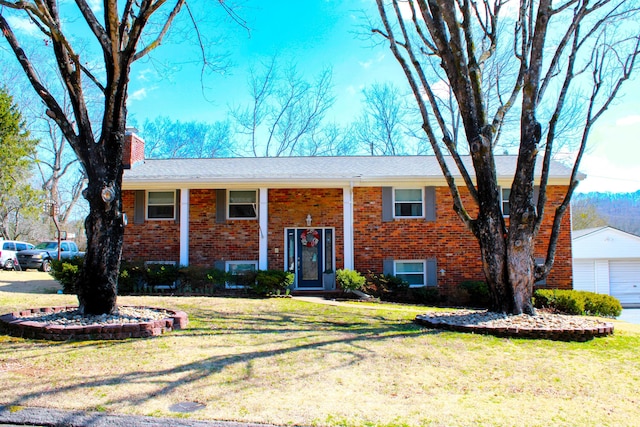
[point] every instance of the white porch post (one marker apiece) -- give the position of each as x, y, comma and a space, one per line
347, 209
184, 226
263, 221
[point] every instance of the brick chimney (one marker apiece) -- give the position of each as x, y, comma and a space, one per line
133, 150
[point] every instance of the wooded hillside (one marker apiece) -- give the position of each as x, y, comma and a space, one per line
619, 210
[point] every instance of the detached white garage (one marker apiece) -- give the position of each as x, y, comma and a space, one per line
607, 261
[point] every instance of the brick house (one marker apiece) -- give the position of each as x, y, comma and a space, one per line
313, 215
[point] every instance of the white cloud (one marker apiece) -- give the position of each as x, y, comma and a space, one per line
367, 64
628, 120
138, 95
405, 10
143, 75
604, 175
95, 5
23, 24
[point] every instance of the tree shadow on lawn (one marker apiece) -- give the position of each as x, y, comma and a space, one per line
291, 333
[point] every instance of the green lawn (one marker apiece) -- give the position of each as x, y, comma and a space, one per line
290, 362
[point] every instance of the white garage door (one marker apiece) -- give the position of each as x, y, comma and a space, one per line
624, 279
584, 275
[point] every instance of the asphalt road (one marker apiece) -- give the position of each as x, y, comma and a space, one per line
42, 417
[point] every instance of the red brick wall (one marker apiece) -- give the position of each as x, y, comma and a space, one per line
288, 208
152, 241
133, 150
447, 239
561, 274
209, 241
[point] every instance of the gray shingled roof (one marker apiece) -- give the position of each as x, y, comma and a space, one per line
306, 169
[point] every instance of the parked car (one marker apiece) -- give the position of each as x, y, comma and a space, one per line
43, 253
8, 249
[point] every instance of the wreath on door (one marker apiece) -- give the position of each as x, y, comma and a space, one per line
309, 238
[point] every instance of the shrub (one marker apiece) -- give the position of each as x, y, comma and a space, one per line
217, 278
385, 286
272, 282
478, 292
350, 280
162, 275
577, 302
197, 279
602, 305
66, 272
132, 277
429, 295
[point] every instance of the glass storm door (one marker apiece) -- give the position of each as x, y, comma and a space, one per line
309, 257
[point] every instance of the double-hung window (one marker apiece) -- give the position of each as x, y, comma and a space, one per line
161, 205
505, 193
412, 272
243, 204
408, 202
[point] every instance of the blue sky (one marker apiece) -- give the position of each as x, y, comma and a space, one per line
322, 33
310, 35
318, 34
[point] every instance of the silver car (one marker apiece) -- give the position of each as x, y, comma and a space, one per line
8, 249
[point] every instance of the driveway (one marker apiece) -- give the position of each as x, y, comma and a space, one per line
28, 282
631, 315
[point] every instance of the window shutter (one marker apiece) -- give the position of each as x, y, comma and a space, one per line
540, 261
138, 207
387, 267
177, 206
432, 272
219, 265
221, 205
387, 204
430, 203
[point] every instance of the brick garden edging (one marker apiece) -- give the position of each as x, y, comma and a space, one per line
12, 324
556, 334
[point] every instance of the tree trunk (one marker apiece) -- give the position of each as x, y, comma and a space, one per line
98, 284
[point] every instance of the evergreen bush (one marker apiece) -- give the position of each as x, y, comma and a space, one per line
66, 272
350, 280
578, 302
477, 291
272, 282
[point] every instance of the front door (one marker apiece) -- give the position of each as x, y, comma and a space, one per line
310, 258
310, 254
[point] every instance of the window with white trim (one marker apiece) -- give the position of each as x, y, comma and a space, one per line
505, 193
161, 205
239, 269
408, 202
242, 204
414, 272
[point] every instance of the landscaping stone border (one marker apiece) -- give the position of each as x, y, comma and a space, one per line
556, 334
13, 324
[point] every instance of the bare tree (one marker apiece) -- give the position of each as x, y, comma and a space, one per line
381, 125
285, 111
124, 33
170, 139
556, 48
